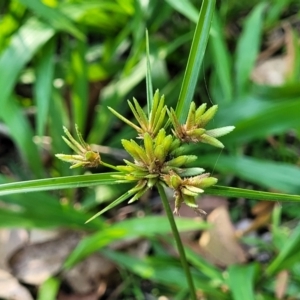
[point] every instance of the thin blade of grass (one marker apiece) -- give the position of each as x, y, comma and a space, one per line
42, 210
57, 183
282, 176
195, 58
113, 95
250, 194
54, 16
221, 59
111, 205
186, 8
288, 255
43, 84
248, 47
137, 227
164, 271
58, 117
149, 87
22, 135
79, 90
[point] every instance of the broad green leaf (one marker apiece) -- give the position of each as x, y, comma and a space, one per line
164, 271
57, 183
54, 16
195, 58
248, 47
273, 175
241, 281
44, 84
139, 227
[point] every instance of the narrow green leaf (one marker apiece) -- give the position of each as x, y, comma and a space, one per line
149, 87
164, 271
186, 8
57, 183
42, 210
241, 281
231, 192
44, 84
22, 135
112, 205
288, 255
79, 90
54, 16
139, 227
113, 95
49, 289
273, 175
221, 59
275, 10
248, 47
195, 58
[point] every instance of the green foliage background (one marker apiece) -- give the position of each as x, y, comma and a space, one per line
64, 62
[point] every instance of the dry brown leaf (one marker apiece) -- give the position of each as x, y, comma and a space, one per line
10, 288
35, 263
10, 241
263, 212
271, 71
219, 243
88, 275
281, 284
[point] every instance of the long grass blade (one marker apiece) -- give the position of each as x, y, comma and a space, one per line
250, 194
195, 58
54, 16
57, 183
43, 84
149, 87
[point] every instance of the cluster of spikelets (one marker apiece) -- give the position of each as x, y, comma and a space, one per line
160, 157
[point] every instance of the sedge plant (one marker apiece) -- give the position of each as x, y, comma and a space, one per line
158, 157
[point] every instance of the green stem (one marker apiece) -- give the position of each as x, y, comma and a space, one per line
108, 165
178, 241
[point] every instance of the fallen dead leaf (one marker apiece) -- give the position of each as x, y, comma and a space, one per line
281, 284
10, 288
219, 243
10, 241
271, 71
262, 212
35, 263
88, 275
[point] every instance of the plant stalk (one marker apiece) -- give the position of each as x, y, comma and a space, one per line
178, 241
